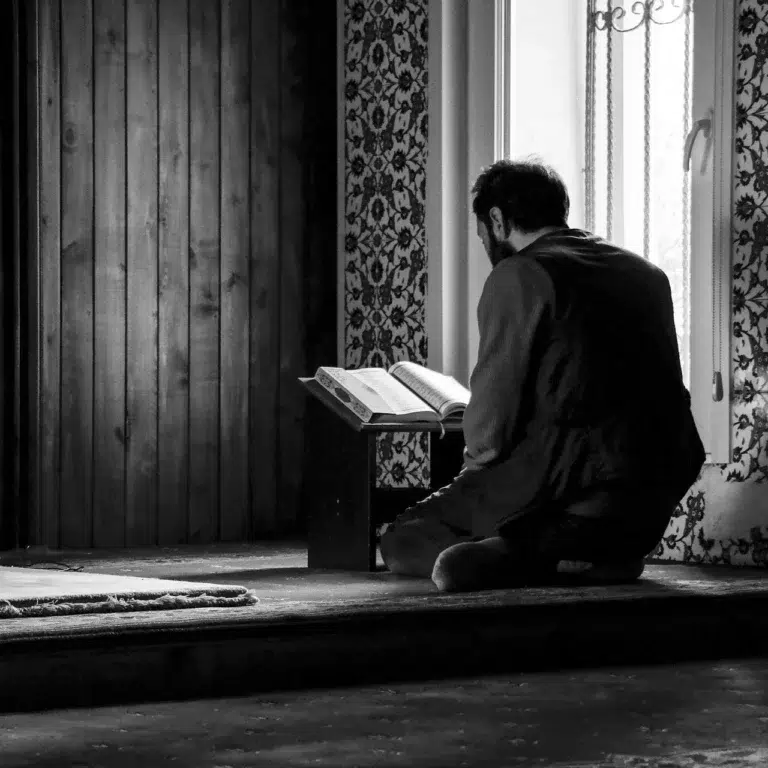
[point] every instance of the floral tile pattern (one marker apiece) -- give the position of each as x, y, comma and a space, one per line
750, 437
750, 247
385, 284
687, 537
750, 343
750, 220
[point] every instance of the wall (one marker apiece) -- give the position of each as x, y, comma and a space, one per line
187, 214
553, 93
384, 160
462, 137
10, 142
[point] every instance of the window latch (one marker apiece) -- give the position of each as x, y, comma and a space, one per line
705, 126
717, 386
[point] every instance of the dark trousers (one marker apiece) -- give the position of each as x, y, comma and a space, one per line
616, 523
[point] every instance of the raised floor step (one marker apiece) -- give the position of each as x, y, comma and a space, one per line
324, 629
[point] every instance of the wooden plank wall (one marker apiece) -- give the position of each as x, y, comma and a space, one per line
7, 258
187, 265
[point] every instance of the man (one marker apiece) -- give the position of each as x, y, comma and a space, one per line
579, 436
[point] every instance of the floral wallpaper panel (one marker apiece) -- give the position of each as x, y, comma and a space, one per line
385, 285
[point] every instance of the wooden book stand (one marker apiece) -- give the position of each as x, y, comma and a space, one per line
344, 504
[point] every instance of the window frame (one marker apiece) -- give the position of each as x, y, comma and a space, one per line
469, 129
711, 225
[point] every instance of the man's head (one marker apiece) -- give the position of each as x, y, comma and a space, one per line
516, 202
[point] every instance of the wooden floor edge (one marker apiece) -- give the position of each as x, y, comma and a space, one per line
186, 667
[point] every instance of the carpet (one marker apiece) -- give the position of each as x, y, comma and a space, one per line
35, 593
697, 715
342, 637
662, 590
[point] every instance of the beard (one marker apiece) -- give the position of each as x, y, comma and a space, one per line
499, 249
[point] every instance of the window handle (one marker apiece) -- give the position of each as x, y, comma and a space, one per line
705, 126
717, 386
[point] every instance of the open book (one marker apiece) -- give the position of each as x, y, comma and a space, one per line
406, 392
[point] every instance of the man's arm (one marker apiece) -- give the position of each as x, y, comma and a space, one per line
514, 302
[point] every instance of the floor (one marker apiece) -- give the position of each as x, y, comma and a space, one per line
688, 716
277, 571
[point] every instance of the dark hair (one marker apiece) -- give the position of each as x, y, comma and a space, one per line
529, 194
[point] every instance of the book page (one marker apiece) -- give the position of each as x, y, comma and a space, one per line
382, 385
366, 397
442, 392
342, 387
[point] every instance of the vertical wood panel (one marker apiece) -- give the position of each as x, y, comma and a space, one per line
292, 305
50, 264
16, 177
77, 274
6, 284
264, 264
321, 177
109, 287
173, 234
235, 231
141, 359
31, 487
185, 222
204, 148
320, 281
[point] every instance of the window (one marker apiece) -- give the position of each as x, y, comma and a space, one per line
615, 94
646, 145
638, 115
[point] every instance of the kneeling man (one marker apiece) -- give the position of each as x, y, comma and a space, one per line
579, 436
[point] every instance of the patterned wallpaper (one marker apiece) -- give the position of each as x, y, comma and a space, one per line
385, 283
724, 517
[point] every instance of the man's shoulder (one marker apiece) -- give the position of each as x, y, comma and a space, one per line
517, 282
520, 272
582, 249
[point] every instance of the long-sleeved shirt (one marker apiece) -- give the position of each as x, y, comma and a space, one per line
578, 369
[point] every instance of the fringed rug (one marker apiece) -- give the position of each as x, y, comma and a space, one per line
35, 593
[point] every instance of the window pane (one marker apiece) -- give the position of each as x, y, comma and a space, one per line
547, 51
639, 114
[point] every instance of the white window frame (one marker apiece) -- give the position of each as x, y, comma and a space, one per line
469, 92
711, 230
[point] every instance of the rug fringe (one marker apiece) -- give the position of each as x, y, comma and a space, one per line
114, 604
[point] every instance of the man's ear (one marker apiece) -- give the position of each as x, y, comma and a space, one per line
497, 223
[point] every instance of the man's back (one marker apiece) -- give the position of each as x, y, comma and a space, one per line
606, 358
610, 347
